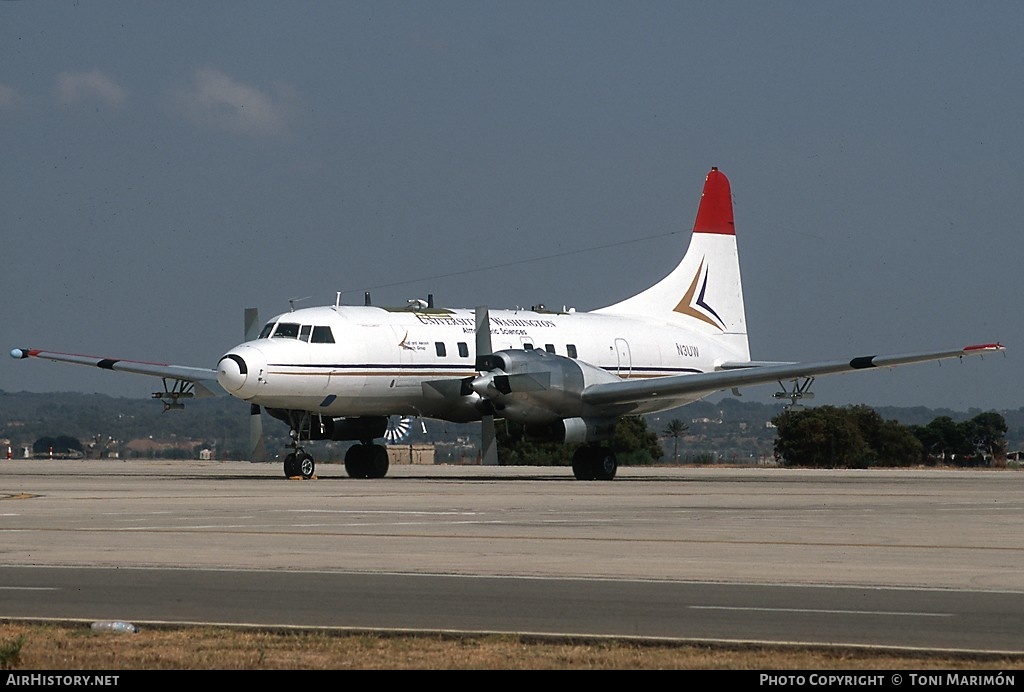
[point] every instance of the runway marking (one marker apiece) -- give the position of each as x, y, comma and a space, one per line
825, 611
29, 588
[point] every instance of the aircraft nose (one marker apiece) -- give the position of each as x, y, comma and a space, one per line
240, 371
232, 372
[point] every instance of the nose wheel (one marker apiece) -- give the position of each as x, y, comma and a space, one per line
299, 463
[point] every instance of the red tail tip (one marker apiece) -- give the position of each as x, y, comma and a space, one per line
715, 212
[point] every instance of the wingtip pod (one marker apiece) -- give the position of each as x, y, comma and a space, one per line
714, 215
983, 348
19, 353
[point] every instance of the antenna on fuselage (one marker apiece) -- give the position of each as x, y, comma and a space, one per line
293, 301
366, 298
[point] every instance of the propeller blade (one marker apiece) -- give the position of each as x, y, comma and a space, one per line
257, 445
483, 331
488, 439
252, 324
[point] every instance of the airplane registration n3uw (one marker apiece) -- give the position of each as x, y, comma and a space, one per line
339, 372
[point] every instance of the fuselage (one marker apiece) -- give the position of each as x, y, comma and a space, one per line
367, 360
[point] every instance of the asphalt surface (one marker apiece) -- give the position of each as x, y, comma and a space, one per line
924, 559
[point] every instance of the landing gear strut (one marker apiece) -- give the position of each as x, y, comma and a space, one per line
298, 462
594, 464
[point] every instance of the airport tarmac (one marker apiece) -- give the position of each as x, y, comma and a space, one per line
899, 532
928, 528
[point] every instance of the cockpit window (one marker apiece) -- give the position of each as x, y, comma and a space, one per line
265, 334
304, 332
286, 330
322, 335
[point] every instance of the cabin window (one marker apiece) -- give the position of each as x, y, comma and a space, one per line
322, 335
527, 346
464, 349
550, 348
265, 334
439, 347
286, 330
571, 350
304, 332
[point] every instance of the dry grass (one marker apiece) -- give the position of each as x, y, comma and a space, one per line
34, 646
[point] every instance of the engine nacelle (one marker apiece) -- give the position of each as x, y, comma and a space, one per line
535, 387
572, 430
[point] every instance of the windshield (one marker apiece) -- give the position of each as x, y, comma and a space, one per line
286, 330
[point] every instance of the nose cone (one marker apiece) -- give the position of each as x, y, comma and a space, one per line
240, 370
232, 372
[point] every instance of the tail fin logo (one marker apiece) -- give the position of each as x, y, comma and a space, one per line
693, 303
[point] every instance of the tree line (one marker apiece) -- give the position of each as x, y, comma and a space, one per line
858, 437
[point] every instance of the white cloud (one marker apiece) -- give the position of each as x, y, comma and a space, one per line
217, 101
75, 87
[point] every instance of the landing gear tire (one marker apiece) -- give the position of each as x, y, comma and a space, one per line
356, 461
379, 463
594, 464
299, 464
291, 465
306, 465
581, 467
605, 464
366, 461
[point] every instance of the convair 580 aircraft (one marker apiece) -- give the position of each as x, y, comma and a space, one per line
340, 372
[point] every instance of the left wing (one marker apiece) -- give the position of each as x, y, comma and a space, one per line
203, 380
745, 374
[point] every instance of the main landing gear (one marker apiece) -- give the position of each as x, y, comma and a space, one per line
366, 460
594, 463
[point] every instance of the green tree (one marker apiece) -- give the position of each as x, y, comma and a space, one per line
821, 437
675, 429
633, 443
62, 444
989, 431
890, 443
945, 439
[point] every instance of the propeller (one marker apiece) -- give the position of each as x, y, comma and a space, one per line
257, 445
398, 429
489, 443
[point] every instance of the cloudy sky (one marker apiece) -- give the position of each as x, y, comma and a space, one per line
165, 165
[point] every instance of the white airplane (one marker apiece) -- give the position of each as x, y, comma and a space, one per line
339, 372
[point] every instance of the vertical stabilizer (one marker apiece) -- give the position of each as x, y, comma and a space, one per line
703, 292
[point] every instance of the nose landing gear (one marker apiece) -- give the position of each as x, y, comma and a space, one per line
299, 463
